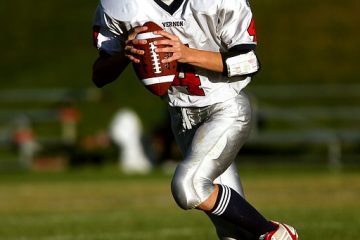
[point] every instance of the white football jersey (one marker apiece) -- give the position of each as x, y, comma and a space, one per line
211, 25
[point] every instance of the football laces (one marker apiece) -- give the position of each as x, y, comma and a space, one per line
155, 58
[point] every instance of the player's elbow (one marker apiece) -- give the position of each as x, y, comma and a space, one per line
98, 81
102, 75
107, 68
97, 75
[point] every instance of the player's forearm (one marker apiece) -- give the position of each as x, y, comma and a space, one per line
107, 68
204, 59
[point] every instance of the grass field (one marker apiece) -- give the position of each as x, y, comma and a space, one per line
106, 205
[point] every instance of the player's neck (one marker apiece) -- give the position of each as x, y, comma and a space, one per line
167, 2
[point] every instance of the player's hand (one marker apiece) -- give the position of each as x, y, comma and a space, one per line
130, 50
180, 52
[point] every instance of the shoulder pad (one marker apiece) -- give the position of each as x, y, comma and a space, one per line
205, 5
122, 10
211, 6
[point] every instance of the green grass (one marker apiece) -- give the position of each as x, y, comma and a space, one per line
106, 205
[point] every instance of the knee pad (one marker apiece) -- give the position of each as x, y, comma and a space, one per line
182, 195
190, 189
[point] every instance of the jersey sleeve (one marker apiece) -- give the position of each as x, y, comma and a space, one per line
236, 24
106, 34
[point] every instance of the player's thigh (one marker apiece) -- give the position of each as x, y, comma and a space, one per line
218, 140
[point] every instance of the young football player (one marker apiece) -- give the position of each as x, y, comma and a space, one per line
214, 43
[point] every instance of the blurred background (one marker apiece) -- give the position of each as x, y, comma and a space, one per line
53, 121
306, 98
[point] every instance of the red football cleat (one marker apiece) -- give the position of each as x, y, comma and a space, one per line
282, 232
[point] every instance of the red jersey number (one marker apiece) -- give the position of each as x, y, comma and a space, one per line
186, 77
251, 30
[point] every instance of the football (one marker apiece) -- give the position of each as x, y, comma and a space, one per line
156, 76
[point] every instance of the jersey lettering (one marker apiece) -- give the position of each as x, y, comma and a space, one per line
187, 78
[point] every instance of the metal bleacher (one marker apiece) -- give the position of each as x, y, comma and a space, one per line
40, 105
324, 116
33, 124
297, 115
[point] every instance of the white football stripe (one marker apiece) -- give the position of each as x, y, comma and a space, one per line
147, 35
156, 80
